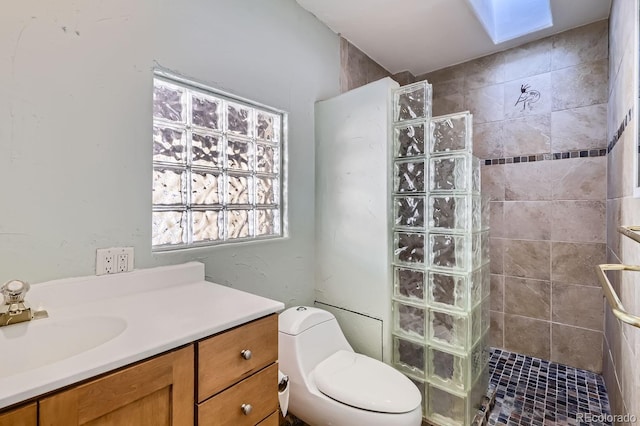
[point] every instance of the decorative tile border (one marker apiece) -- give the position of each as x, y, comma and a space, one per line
623, 125
567, 154
547, 156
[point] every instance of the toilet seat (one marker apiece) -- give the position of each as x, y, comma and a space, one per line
363, 382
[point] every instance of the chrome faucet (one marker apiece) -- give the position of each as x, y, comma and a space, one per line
14, 309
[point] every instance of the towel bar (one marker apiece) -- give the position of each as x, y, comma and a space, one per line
631, 232
613, 299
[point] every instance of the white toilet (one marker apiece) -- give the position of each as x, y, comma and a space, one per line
330, 384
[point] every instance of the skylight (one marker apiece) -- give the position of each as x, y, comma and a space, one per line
508, 19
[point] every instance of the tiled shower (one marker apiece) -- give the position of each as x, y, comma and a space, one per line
547, 184
544, 166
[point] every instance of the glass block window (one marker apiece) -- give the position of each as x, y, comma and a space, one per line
217, 169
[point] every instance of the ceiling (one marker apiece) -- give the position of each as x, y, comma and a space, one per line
420, 36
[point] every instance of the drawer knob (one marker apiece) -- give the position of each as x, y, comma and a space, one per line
246, 354
246, 409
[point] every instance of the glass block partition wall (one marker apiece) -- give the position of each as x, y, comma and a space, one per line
440, 258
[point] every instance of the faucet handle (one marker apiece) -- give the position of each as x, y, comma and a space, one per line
14, 291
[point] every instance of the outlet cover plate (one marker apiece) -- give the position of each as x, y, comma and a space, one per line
114, 260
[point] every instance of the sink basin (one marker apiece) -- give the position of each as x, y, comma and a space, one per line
37, 343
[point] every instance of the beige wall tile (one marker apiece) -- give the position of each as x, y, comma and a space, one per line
627, 292
618, 407
613, 334
628, 380
577, 305
527, 135
630, 151
580, 85
527, 336
488, 140
403, 78
576, 347
444, 74
583, 44
484, 71
630, 211
345, 77
375, 72
527, 297
634, 398
614, 276
614, 219
528, 181
496, 220
529, 220
443, 105
614, 105
621, 32
486, 103
535, 100
496, 332
578, 221
625, 83
357, 69
615, 165
578, 178
530, 59
497, 293
579, 128
492, 181
449, 87
496, 253
357, 63
611, 382
575, 263
527, 259
614, 393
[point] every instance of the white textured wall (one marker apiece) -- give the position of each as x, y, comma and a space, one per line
353, 215
75, 127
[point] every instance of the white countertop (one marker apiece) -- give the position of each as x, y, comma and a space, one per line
153, 310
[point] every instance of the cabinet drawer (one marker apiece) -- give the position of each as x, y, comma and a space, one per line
220, 360
259, 390
272, 420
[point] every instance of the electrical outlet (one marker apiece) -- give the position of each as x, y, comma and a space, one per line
114, 260
104, 262
124, 259
122, 262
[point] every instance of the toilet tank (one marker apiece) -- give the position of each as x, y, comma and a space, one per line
307, 336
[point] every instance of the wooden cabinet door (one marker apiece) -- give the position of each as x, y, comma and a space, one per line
23, 416
156, 392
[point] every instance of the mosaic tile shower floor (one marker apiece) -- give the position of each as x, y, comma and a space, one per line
534, 392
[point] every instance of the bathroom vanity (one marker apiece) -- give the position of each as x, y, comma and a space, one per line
144, 360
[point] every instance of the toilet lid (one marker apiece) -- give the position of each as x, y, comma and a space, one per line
363, 382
